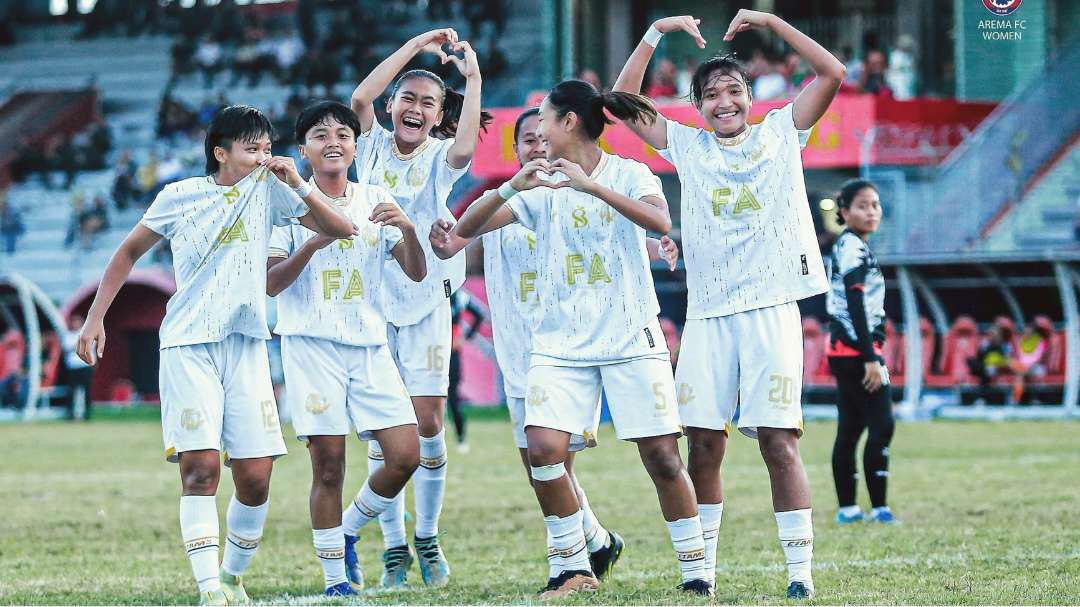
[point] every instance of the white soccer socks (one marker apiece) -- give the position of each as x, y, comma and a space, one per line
566, 544
330, 548
689, 545
365, 507
392, 520
797, 538
596, 537
244, 525
199, 528
711, 515
429, 484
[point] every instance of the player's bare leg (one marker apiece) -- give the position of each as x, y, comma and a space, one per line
703, 462
791, 502
327, 480
569, 568
200, 472
429, 487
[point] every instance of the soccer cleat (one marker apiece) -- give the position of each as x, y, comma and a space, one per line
352, 562
800, 590
396, 563
604, 559
433, 566
883, 515
569, 582
847, 519
233, 587
698, 586
342, 589
213, 597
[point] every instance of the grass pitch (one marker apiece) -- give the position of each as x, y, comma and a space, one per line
88, 515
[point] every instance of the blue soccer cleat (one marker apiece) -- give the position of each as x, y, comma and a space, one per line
800, 591
342, 589
883, 515
434, 569
352, 562
847, 519
396, 563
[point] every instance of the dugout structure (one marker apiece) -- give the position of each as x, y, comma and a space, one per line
25, 308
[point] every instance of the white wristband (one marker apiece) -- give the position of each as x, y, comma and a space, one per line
652, 37
303, 189
507, 191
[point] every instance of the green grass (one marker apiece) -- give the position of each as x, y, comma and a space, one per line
89, 516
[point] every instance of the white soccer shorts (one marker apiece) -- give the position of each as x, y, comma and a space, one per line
219, 396
330, 386
640, 395
422, 352
753, 360
579, 441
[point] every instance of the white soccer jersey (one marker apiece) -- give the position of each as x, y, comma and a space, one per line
420, 182
219, 237
747, 233
594, 282
337, 296
510, 278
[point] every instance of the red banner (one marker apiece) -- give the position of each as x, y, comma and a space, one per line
908, 132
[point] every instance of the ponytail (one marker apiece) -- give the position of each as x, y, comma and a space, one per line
589, 104
453, 102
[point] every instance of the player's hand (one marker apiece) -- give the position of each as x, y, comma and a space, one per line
529, 176
320, 241
669, 252
439, 236
746, 20
575, 175
433, 42
284, 168
874, 376
686, 23
390, 214
467, 63
91, 344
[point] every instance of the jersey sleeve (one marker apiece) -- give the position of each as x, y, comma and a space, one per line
783, 121
679, 139
850, 252
641, 182
284, 205
447, 175
526, 208
281, 242
163, 214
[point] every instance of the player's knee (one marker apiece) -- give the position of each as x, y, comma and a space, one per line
779, 448
541, 454
201, 479
705, 448
429, 423
662, 463
404, 464
331, 476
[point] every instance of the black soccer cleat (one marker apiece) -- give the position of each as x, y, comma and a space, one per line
698, 586
604, 559
800, 591
569, 582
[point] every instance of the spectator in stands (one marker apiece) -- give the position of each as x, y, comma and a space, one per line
70, 158
995, 355
15, 387
11, 223
77, 375
685, 79
776, 82
662, 82
900, 75
872, 80
208, 59
856, 306
589, 75
124, 190
77, 204
287, 52
98, 144
1032, 356
92, 222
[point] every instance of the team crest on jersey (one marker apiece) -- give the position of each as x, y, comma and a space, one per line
416, 176
1002, 7
233, 234
685, 394
390, 179
316, 404
537, 396
370, 234
231, 195
191, 419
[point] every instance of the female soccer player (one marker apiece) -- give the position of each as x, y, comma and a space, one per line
751, 253
338, 368
419, 170
214, 375
510, 280
856, 305
596, 327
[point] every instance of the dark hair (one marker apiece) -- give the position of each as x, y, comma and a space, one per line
322, 112
589, 104
452, 103
533, 111
725, 64
233, 123
847, 194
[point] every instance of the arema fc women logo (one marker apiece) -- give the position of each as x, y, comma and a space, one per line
1002, 7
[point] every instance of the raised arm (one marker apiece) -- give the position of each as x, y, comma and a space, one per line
91, 344
633, 73
468, 129
283, 271
811, 103
650, 212
376, 82
322, 217
488, 213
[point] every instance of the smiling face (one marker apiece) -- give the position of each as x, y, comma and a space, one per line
330, 146
242, 157
529, 145
415, 109
725, 102
863, 216
556, 132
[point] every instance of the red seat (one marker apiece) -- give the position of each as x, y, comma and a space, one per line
1055, 360
960, 344
815, 363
